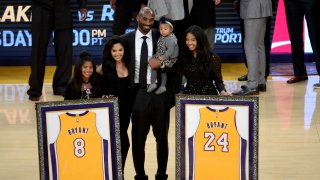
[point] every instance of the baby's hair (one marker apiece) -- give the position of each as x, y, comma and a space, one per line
165, 20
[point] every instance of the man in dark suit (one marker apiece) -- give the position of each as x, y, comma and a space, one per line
149, 109
124, 11
295, 11
203, 14
52, 16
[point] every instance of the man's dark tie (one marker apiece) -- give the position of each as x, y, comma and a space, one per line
143, 63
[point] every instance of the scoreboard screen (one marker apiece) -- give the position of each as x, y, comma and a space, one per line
90, 35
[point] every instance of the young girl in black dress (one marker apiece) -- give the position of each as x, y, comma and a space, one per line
115, 63
86, 82
199, 66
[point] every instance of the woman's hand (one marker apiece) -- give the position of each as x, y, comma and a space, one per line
225, 93
99, 69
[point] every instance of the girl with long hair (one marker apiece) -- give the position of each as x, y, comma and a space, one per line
200, 67
86, 82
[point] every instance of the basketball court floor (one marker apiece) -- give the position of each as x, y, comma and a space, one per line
289, 128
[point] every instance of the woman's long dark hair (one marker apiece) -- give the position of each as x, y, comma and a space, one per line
77, 74
204, 54
109, 63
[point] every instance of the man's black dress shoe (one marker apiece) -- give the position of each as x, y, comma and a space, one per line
59, 92
262, 87
245, 91
296, 79
34, 97
243, 78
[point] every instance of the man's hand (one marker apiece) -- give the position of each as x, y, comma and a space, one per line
83, 12
236, 6
217, 2
113, 4
154, 63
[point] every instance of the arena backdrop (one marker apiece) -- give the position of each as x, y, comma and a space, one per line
16, 17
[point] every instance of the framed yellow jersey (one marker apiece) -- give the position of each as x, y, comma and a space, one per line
79, 139
216, 137
217, 140
79, 147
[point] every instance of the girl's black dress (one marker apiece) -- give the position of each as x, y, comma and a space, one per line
212, 84
74, 90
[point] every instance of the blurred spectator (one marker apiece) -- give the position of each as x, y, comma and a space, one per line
267, 40
255, 20
124, 11
47, 17
295, 11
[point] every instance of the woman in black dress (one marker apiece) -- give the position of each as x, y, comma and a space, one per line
115, 62
86, 82
199, 66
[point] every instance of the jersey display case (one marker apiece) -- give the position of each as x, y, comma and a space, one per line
216, 137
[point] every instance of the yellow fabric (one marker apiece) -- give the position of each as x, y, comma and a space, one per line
79, 148
217, 146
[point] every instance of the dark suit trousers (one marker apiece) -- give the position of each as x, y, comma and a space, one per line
295, 11
42, 27
122, 17
150, 110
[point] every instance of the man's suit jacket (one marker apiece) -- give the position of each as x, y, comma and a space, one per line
255, 9
130, 40
61, 10
134, 5
130, 44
